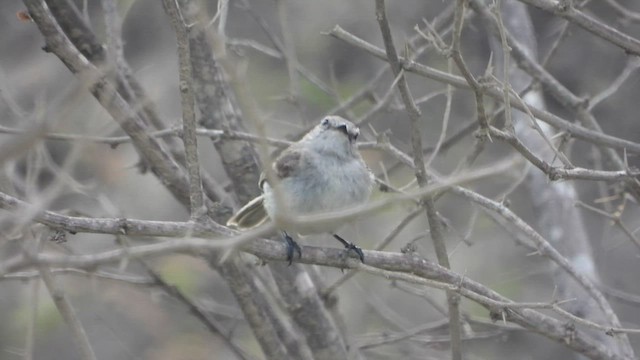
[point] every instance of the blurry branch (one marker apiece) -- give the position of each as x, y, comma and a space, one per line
510, 217
445, 122
114, 141
69, 315
217, 102
497, 306
364, 93
114, 57
74, 25
242, 285
196, 196
309, 313
223, 98
104, 275
554, 173
280, 47
367, 91
160, 160
221, 15
553, 202
304, 309
526, 62
494, 21
494, 92
196, 311
575, 244
259, 314
543, 247
422, 293
383, 308
633, 64
62, 303
270, 250
567, 11
456, 54
463, 130
212, 325
372, 340
154, 153
615, 219
18, 145
626, 297
402, 267
557, 173
110, 60
380, 103
291, 336
555, 209
524, 58
34, 305
415, 335
289, 49
535, 125
623, 11
435, 226
237, 43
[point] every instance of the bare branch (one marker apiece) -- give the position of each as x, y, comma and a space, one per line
590, 24
435, 226
196, 196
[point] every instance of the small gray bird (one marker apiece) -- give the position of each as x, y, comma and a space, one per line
322, 172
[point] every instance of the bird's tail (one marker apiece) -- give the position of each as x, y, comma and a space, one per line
249, 216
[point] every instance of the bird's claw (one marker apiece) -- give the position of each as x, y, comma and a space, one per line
351, 246
291, 247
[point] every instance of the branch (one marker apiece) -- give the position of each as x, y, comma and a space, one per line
160, 160
196, 196
558, 173
65, 309
271, 250
114, 141
496, 93
389, 263
217, 102
435, 226
592, 25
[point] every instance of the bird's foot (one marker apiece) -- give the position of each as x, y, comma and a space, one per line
291, 247
350, 246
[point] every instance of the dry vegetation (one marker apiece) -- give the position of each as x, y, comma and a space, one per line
502, 132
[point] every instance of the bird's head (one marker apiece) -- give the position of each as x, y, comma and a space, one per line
334, 134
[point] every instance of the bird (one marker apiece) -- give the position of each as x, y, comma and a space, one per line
320, 173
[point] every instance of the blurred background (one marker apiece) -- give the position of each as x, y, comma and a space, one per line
135, 320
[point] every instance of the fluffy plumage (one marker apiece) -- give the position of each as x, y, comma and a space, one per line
322, 172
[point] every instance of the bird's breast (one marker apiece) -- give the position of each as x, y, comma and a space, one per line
327, 185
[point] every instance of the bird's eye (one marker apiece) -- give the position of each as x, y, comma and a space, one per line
344, 129
325, 122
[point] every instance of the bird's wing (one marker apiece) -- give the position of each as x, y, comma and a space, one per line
286, 165
250, 216
254, 214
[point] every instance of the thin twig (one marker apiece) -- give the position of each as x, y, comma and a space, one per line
62, 303
196, 195
435, 226
580, 132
